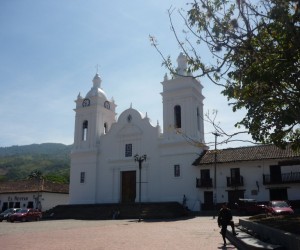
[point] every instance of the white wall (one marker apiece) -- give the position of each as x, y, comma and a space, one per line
48, 200
252, 172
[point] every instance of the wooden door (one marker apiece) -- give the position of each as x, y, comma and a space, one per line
208, 201
128, 181
235, 176
275, 174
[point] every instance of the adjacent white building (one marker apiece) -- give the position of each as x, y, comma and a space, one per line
261, 172
43, 195
103, 167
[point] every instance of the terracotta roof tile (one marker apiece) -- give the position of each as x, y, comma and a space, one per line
252, 153
32, 186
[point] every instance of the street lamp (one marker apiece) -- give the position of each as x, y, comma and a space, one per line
216, 134
140, 160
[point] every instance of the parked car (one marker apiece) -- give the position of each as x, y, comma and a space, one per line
5, 214
279, 208
249, 207
27, 214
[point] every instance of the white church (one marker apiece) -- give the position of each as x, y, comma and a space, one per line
103, 166
169, 167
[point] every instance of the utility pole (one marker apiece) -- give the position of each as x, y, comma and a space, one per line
216, 134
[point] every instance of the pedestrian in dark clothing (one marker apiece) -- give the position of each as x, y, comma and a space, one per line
225, 219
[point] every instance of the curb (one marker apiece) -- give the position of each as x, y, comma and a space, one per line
244, 241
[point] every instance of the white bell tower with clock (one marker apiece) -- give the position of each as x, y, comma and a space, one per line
94, 116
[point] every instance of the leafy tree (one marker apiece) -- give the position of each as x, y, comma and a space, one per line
36, 175
62, 176
255, 48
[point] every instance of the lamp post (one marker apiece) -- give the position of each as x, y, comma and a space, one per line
140, 160
37, 175
216, 134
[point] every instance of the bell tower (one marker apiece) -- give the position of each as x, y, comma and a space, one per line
94, 116
183, 105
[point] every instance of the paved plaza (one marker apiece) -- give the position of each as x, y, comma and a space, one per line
186, 234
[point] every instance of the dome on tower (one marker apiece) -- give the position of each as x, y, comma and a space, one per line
97, 80
96, 90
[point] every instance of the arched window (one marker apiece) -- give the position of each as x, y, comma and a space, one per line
84, 130
198, 119
177, 116
82, 177
105, 128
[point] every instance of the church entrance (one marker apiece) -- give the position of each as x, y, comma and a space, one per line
128, 186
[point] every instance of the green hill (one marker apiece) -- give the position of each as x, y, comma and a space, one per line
51, 159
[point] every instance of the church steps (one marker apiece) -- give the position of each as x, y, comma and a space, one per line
164, 210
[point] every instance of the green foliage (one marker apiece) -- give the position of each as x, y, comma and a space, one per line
288, 223
36, 175
255, 48
62, 176
50, 161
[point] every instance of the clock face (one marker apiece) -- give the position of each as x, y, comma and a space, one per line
86, 102
106, 105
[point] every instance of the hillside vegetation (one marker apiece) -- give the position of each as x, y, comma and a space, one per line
51, 159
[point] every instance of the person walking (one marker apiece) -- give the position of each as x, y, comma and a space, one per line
225, 219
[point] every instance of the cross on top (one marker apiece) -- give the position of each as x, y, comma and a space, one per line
97, 68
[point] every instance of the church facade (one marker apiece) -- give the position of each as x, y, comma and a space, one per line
103, 160
128, 160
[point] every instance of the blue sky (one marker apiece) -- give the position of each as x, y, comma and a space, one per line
49, 52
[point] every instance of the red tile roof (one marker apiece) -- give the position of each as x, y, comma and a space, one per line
33, 186
253, 153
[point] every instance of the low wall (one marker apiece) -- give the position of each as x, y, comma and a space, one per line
288, 240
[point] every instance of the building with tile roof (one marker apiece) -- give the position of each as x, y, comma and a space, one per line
33, 194
253, 153
262, 173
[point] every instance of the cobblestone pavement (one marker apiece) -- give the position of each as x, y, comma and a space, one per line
189, 234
